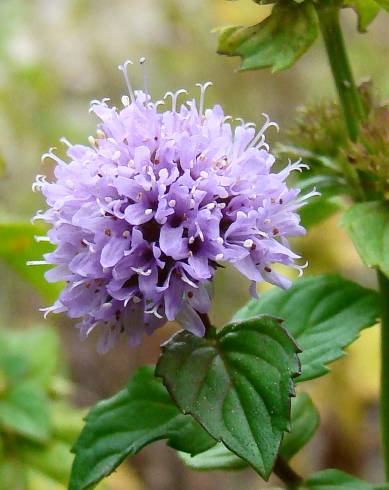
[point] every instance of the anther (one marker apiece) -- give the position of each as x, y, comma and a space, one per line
142, 62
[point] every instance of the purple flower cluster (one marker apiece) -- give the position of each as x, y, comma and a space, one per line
143, 216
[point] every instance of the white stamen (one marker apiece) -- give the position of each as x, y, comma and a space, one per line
52, 156
36, 262
65, 141
39, 215
191, 240
266, 221
211, 206
148, 211
221, 205
108, 199
41, 238
248, 243
126, 234
260, 137
39, 183
203, 88
136, 299
154, 312
172, 203
220, 240
123, 68
125, 100
188, 281
106, 306
48, 309
141, 271
219, 257
174, 97
92, 140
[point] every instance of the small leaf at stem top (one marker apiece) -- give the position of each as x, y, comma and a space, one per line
237, 385
366, 10
276, 42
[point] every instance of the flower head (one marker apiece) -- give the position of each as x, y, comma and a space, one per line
143, 216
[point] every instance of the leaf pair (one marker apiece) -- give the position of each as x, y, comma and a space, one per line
236, 384
282, 38
277, 42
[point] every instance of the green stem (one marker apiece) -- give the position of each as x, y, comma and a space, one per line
354, 113
383, 282
286, 474
350, 100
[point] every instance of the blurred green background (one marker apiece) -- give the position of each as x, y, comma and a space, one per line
57, 55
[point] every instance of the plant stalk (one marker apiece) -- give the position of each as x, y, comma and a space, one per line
354, 114
350, 100
207, 323
286, 474
383, 282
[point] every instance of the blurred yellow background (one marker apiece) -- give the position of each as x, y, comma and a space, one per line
57, 55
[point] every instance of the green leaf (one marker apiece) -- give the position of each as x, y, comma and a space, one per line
216, 458
18, 245
122, 425
24, 410
323, 313
305, 422
318, 210
337, 480
67, 421
39, 360
237, 385
12, 475
53, 461
366, 10
384, 4
367, 224
276, 42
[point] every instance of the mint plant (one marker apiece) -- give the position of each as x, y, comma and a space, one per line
143, 217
